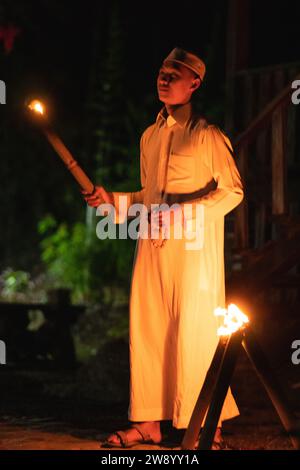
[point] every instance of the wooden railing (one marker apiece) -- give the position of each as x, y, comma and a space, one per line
264, 150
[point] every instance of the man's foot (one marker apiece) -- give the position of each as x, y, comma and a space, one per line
138, 433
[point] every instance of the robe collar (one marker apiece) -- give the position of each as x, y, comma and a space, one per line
181, 115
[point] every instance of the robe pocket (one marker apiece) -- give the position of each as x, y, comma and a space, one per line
181, 169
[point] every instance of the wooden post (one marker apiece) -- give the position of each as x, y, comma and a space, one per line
262, 150
241, 212
221, 387
278, 164
193, 430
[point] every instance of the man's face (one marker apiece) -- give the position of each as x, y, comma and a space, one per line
176, 83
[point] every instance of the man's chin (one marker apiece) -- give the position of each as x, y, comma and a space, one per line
165, 99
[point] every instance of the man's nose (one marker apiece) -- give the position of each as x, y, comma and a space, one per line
164, 80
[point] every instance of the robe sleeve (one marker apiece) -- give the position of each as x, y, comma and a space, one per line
123, 200
218, 157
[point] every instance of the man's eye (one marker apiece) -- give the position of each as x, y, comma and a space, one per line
163, 76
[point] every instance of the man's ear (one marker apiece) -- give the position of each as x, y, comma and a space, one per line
196, 83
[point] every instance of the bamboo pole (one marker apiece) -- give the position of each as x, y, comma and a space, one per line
36, 111
71, 164
193, 430
220, 390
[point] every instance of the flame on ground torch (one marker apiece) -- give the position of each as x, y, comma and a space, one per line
37, 107
234, 319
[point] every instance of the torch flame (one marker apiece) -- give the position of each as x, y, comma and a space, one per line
234, 319
36, 106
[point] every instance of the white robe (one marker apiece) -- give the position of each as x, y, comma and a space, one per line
174, 291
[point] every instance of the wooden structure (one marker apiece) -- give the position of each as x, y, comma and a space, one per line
266, 158
262, 232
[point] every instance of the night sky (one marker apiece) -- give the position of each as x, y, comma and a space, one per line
53, 53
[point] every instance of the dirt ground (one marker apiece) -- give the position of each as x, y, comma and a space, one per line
32, 418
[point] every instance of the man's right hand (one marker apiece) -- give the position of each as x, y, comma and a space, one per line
99, 196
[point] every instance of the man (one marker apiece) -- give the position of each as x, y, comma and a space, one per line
175, 290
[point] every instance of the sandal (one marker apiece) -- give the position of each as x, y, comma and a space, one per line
125, 443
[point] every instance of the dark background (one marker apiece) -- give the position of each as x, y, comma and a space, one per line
62, 53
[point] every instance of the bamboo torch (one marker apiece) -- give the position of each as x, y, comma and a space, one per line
37, 111
217, 381
193, 430
234, 334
